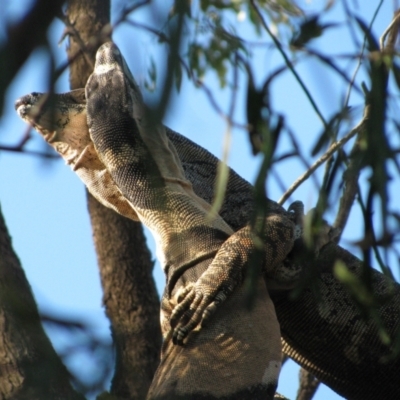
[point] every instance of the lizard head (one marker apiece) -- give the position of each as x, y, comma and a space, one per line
110, 72
61, 120
109, 57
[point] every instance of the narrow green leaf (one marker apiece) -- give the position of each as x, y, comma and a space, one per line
373, 44
221, 181
396, 74
220, 187
178, 77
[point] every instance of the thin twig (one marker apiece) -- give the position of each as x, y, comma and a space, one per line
19, 148
70, 30
129, 10
353, 78
302, 158
278, 179
352, 173
28, 152
348, 199
95, 41
161, 35
328, 61
197, 82
332, 149
342, 218
221, 181
25, 137
392, 32
209, 93
289, 64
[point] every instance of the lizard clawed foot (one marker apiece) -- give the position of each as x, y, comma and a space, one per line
197, 302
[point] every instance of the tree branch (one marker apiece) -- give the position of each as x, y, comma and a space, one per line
332, 149
22, 38
352, 173
308, 385
289, 64
29, 366
130, 296
130, 299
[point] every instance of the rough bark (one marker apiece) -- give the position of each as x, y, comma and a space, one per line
22, 38
308, 385
130, 296
29, 366
130, 299
87, 24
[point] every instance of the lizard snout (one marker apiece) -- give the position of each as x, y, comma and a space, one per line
27, 100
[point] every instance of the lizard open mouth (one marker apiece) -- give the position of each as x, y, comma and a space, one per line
61, 120
31, 108
31, 105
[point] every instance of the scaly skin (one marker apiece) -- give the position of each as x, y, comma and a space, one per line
146, 168
330, 339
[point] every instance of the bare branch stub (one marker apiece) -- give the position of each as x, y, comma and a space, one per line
308, 385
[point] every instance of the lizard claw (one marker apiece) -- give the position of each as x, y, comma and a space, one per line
200, 300
196, 304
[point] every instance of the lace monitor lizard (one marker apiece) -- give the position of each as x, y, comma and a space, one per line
329, 339
236, 349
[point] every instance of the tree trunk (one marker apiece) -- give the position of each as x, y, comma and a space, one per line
29, 367
130, 296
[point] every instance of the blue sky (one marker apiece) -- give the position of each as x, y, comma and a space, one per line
44, 202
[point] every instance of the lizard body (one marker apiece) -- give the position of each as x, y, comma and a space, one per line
146, 168
313, 334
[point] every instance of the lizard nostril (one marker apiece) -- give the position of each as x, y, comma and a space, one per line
18, 103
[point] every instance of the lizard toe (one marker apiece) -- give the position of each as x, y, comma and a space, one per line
212, 308
182, 307
178, 336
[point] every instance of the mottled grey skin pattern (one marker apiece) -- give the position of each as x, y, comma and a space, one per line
236, 355
330, 338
